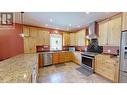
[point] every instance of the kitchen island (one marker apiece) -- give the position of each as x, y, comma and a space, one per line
19, 69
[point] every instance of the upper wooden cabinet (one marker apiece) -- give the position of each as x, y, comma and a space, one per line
78, 38
124, 21
72, 39
26, 31
110, 31
103, 33
34, 36
46, 37
114, 33
66, 39
81, 37
33, 32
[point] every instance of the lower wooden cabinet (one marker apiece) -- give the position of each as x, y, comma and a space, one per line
40, 60
61, 57
55, 58
77, 57
107, 67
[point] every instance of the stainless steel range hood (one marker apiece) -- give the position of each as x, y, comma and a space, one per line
91, 31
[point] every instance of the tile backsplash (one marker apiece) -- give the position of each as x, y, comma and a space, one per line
110, 49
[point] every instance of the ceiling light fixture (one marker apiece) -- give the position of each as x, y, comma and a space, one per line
87, 12
51, 20
56, 31
67, 29
70, 25
57, 28
46, 24
79, 26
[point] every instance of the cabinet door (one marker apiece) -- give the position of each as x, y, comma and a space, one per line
103, 30
66, 39
46, 38
55, 58
61, 57
114, 32
40, 38
81, 37
124, 21
32, 44
33, 32
26, 31
72, 39
26, 45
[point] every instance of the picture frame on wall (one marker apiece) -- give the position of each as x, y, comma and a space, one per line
6, 18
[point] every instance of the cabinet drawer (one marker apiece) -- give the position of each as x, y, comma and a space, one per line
108, 73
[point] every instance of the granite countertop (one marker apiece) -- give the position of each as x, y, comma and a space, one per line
58, 52
17, 69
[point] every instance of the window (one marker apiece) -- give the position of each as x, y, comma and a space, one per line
55, 42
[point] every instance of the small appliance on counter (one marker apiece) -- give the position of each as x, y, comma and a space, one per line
72, 49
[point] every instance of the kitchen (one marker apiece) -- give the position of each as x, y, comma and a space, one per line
74, 54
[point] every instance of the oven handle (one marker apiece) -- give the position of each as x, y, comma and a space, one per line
88, 57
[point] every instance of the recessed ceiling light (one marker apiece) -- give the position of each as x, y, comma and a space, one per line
56, 31
69, 24
79, 26
57, 28
87, 12
46, 24
67, 29
51, 20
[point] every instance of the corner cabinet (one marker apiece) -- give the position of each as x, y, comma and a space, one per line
78, 38
107, 67
35, 36
110, 31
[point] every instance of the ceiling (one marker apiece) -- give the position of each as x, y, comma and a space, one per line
67, 21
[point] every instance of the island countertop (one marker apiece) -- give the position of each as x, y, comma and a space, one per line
17, 69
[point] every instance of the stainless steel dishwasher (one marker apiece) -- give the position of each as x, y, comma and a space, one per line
47, 59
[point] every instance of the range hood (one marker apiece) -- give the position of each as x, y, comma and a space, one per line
91, 31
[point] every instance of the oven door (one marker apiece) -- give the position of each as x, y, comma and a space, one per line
88, 62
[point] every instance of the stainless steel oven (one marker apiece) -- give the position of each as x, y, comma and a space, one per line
88, 62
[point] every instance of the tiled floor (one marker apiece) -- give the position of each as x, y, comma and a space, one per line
67, 73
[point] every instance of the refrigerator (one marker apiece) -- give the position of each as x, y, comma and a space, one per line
123, 58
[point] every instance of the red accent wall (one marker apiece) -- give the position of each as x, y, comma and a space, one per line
11, 43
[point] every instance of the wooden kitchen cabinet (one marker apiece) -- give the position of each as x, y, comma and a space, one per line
40, 60
32, 44
29, 45
103, 33
114, 33
46, 37
40, 38
107, 67
55, 58
66, 39
124, 21
26, 31
81, 37
77, 57
33, 32
26, 45
78, 38
72, 39
110, 31
62, 57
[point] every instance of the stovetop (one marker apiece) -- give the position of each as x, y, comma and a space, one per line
90, 54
